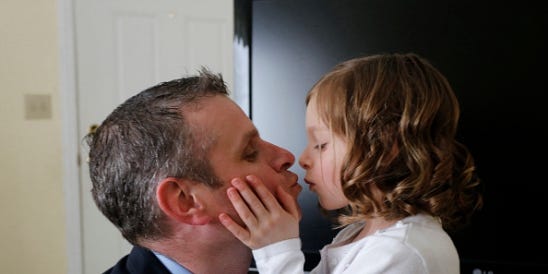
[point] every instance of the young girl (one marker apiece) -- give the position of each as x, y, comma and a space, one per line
381, 145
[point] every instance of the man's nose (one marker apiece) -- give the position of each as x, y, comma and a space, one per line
283, 159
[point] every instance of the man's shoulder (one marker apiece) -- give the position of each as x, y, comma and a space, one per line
119, 267
139, 261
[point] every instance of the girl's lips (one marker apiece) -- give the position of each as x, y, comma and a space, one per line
311, 185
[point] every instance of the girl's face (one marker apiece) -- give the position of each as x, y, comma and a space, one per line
322, 159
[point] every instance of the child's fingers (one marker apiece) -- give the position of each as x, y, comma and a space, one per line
267, 198
288, 203
254, 204
239, 232
265, 218
241, 207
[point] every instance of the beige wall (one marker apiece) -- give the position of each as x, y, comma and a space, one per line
32, 230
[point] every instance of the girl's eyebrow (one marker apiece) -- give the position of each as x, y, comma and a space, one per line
316, 128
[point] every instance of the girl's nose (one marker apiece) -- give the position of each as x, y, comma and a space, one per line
303, 161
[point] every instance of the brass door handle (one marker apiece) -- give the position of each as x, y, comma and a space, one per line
92, 128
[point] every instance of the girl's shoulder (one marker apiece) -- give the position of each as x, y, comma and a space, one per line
348, 232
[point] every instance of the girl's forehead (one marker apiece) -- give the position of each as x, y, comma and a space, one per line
316, 127
313, 118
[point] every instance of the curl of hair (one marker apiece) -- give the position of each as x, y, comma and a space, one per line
399, 116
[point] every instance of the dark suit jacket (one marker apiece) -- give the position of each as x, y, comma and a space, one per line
139, 261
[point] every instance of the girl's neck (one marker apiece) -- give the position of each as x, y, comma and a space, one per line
371, 226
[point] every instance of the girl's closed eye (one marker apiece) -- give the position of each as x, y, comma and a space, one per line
320, 147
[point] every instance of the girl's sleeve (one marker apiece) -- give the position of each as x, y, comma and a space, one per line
281, 257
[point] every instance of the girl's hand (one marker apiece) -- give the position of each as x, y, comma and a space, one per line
267, 220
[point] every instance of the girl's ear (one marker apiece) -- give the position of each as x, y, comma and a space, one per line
177, 200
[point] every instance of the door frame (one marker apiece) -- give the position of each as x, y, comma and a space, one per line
71, 158
69, 135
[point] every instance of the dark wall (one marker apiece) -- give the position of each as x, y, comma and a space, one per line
493, 54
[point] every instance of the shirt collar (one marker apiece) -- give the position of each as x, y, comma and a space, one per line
171, 265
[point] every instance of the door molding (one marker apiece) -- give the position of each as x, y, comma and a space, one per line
72, 162
69, 134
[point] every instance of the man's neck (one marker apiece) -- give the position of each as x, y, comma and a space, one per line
206, 257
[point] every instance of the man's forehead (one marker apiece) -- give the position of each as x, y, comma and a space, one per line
221, 117
250, 134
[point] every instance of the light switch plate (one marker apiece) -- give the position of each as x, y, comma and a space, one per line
37, 106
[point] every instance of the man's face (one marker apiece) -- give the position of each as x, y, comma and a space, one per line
238, 151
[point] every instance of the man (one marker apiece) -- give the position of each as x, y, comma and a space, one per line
161, 164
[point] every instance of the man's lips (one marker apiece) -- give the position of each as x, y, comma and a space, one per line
296, 186
297, 189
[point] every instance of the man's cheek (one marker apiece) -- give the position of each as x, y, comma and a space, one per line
271, 186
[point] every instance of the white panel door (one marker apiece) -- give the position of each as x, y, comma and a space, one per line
123, 47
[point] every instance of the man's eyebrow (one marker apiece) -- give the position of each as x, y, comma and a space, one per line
251, 134
247, 137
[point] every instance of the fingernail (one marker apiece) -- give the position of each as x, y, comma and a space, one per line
231, 192
236, 181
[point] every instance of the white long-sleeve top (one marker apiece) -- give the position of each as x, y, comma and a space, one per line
416, 244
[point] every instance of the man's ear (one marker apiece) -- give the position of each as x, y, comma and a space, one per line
176, 198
